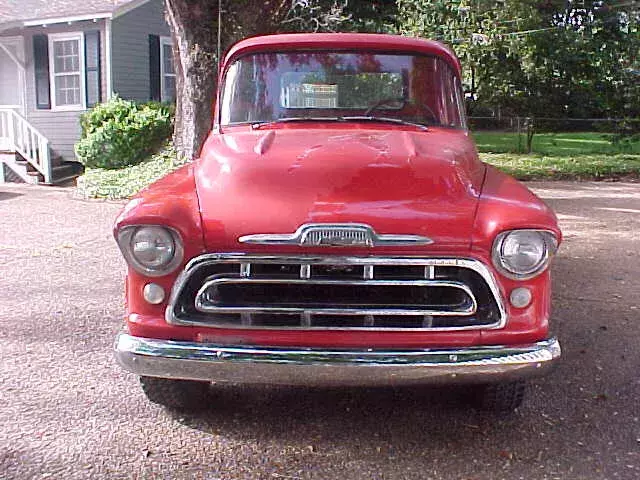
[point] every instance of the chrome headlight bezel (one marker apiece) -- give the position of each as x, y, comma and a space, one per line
125, 238
549, 246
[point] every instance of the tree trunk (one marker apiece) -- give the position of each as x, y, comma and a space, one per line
195, 63
530, 132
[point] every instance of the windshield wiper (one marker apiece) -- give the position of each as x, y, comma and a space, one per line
369, 118
358, 118
258, 125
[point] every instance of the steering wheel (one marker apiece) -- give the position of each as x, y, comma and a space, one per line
387, 101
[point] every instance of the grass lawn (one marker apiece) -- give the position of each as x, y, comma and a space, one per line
588, 156
554, 144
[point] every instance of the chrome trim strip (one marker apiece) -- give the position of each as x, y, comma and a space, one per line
246, 319
430, 272
335, 235
305, 271
469, 263
203, 306
368, 272
245, 269
316, 366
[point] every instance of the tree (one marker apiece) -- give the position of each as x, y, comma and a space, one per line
543, 58
583, 67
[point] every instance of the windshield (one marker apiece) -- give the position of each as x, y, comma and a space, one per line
268, 87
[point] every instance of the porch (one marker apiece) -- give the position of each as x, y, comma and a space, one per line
26, 154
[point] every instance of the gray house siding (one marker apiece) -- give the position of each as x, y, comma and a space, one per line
62, 128
8, 79
130, 53
129, 69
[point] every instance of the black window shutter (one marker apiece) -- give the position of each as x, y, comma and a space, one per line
154, 68
41, 68
92, 82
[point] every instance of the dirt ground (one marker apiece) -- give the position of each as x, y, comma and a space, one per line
68, 411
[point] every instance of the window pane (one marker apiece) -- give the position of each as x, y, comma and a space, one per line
167, 58
67, 90
61, 96
414, 88
66, 56
316, 90
169, 93
58, 64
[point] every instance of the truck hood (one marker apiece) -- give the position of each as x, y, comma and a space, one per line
396, 181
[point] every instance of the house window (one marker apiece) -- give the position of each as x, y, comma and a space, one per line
167, 72
67, 70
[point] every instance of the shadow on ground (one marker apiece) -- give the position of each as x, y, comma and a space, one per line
9, 195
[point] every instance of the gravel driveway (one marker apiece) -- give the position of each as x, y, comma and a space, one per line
68, 411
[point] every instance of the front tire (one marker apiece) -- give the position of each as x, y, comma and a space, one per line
179, 395
501, 397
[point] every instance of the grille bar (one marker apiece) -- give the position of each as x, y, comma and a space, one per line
205, 304
204, 293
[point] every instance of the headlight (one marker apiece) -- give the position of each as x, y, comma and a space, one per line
151, 249
523, 254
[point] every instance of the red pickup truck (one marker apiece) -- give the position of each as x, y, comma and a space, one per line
337, 229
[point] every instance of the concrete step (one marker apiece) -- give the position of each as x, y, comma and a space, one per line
66, 172
16, 169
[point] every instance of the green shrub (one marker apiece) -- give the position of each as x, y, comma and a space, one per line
120, 133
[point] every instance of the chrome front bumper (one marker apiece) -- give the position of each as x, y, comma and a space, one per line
305, 366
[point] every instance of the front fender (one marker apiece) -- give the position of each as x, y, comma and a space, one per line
171, 201
506, 204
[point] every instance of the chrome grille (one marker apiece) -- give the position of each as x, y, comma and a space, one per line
373, 293
329, 236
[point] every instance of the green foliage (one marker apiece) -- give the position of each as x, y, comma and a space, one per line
379, 16
550, 59
120, 133
127, 181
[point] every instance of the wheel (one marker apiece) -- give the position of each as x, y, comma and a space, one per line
501, 397
186, 395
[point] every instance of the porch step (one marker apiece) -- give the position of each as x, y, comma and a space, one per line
66, 172
16, 169
8, 175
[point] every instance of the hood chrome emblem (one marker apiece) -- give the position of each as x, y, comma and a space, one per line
335, 235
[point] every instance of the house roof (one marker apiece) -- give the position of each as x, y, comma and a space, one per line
17, 12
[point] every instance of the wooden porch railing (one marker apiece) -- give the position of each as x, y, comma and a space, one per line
17, 134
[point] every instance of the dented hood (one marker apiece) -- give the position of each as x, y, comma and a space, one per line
396, 181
